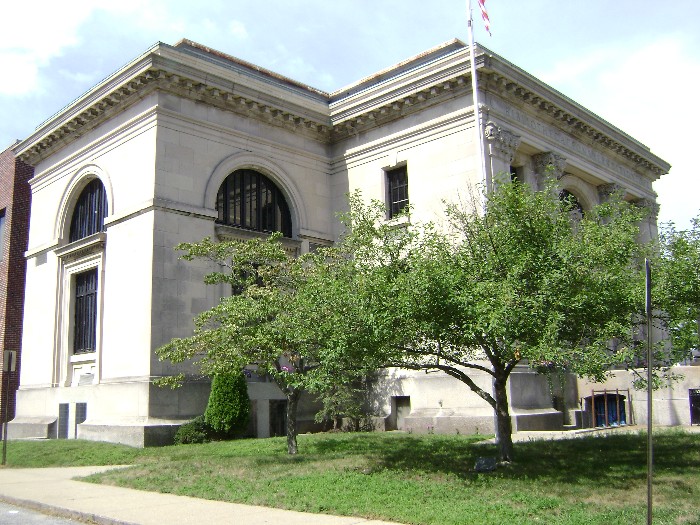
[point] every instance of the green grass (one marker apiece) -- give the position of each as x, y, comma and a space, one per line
68, 453
412, 479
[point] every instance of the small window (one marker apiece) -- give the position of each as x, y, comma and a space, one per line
85, 316
515, 174
90, 211
2, 234
397, 190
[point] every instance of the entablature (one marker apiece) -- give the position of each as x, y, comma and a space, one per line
442, 74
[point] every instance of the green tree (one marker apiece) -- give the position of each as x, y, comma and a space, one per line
515, 277
270, 321
228, 409
676, 278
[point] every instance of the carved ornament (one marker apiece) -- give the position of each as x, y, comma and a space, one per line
501, 142
549, 162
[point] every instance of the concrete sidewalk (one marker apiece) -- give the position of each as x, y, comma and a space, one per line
53, 491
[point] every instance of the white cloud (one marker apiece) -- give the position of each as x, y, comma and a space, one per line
54, 28
647, 91
238, 29
24, 73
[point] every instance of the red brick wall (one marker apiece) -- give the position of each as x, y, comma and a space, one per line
15, 199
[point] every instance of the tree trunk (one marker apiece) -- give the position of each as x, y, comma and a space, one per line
293, 395
504, 427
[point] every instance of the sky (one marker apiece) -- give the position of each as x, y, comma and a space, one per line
635, 63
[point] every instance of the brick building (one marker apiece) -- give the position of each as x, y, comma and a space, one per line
14, 231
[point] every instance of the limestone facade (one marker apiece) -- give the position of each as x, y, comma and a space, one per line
162, 135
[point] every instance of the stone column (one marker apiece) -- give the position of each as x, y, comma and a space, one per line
648, 228
548, 164
500, 145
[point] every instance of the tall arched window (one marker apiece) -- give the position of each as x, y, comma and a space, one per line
90, 211
248, 199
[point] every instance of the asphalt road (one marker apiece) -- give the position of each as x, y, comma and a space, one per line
11, 515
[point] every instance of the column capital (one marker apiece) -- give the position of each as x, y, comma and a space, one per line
606, 190
650, 205
501, 142
549, 162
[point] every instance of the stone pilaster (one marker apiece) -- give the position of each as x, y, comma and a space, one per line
501, 145
648, 227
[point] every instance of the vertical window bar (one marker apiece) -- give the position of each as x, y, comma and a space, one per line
85, 315
90, 211
255, 203
397, 194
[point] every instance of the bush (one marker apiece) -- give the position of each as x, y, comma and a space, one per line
195, 431
228, 408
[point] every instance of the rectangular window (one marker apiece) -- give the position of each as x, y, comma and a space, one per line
397, 190
85, 331
2, 234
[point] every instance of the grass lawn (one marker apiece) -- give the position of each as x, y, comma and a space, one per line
426, 479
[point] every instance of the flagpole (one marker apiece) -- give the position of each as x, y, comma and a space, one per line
477, 113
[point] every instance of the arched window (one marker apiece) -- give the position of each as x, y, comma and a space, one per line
572, 203
248, 199
90, 211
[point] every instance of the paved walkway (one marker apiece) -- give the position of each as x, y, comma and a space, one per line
53, 491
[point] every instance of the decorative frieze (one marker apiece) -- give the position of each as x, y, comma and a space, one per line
563, 120
346, 124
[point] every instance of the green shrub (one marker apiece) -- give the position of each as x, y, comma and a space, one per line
195, 431
228, 408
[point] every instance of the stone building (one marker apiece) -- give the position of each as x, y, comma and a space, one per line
14, 229
186, 142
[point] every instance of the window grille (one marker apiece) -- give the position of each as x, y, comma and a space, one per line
397, 190
80, 415
63, 416
248, 199
85, 333
90, 211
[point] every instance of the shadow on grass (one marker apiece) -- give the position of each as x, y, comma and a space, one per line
613, 460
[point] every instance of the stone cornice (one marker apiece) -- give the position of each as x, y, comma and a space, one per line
406, 104
437, 76
500, 77
34, 149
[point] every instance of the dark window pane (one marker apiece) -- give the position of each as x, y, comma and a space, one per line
572, 202
397, 190
220, 199
254, 202
90, 211
85, 316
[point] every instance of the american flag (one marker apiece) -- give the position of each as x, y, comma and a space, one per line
485, 16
